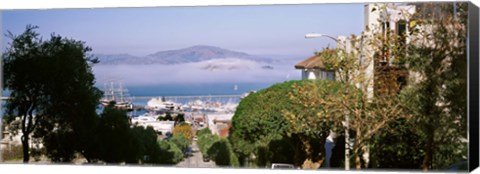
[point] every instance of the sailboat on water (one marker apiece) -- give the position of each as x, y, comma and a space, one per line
114, 92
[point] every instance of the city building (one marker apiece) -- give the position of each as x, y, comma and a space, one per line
380, 73
219, 123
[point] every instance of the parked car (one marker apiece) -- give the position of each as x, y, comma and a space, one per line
188, 152
282, 166
206, 159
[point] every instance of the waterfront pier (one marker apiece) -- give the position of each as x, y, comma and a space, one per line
186, 97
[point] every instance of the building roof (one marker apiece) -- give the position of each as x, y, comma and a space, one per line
314, 62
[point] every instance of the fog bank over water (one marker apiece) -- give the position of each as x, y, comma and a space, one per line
229, 70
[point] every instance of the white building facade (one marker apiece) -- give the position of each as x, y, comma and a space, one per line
313, 69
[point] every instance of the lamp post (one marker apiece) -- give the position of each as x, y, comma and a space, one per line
346, 122
315, 35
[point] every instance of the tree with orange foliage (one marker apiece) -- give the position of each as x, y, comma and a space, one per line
185, 130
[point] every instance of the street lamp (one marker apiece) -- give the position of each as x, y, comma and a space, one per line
346, 123
315, 35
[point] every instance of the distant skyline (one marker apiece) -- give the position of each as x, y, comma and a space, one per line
258, 30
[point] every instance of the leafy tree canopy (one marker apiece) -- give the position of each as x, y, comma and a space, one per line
283, 112
169, 153
51, 85
184, 130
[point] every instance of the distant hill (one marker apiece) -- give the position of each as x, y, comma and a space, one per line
117, 58
187, 55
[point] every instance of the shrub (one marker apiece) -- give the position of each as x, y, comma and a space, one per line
169, 153
204, 131
180, 141
12, 153
222, 153
205, 141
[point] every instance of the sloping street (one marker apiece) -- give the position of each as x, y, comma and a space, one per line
196, 160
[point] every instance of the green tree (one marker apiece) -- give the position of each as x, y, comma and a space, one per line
180, 118
167, 117
434, 100
222, 153
117, 141
258, 120
325, 106
204, 131
373, 69
313, 117
143, 146
397, 146
438, 97
51, 86
59, 146
113, 131
283, 114
169, 153
180, 141
206, 140
217, 149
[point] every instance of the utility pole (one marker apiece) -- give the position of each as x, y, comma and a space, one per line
347, 49
347, 143
454, 10
341, 42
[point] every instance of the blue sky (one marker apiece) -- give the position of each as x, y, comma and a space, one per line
260, 30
